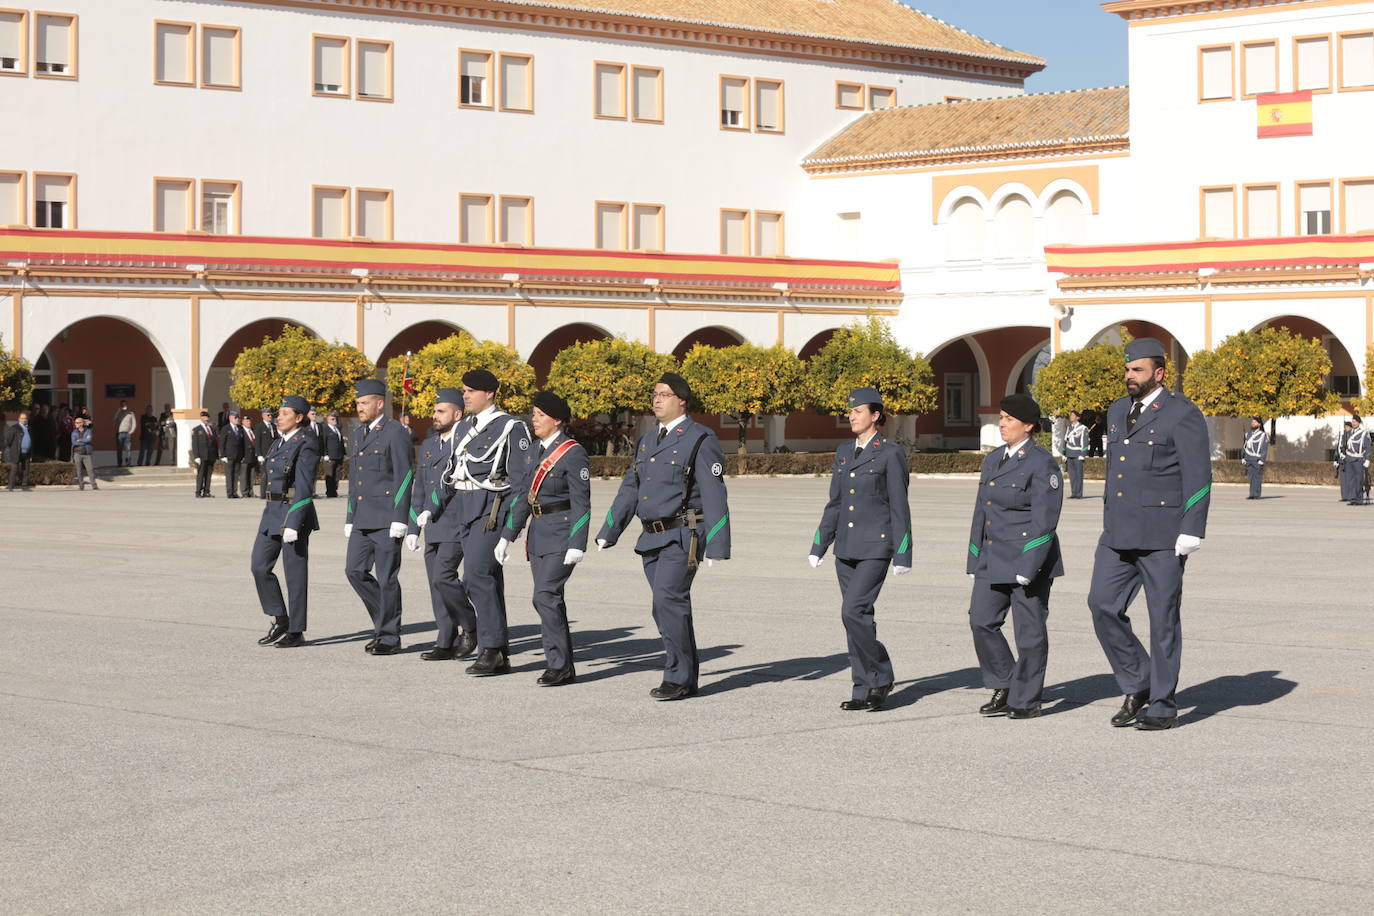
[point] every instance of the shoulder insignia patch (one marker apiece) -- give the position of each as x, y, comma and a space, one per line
585, 474
716, 469
1054, 481
524, 444
1021, 453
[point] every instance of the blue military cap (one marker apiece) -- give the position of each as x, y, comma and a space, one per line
233, 413
449, 396
371, 386
865, 396
1143, 348
296, 403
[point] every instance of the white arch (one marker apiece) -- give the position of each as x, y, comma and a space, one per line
209, 363
1014, 189
739, 338
1065, 184
457, 329
1019, 366
979, 357
177, 375
957, 195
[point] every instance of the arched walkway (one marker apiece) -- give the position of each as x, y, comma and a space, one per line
542, 356
712, 337
215, 386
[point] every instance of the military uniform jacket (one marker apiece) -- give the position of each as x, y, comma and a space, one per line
1075, 442
266, 435
867, 516
429, 493
380, 471
567, 481
331, 443
1015, 517
289, 472
1357, 446
203, 444
516, 462
1159, 477
653, 486
1256, 447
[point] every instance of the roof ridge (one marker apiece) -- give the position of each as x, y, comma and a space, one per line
1001, 98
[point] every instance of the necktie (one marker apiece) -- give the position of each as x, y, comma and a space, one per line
858, 450
1134, 416
542, 449
1006, 453
661, 433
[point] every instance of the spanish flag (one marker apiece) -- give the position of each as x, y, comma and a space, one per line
1285, 114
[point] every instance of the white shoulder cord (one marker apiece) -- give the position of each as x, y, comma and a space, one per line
457, 470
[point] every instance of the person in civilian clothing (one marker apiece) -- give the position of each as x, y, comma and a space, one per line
332, 454
205, 452
83, 447
167, 432
147, 435
267, 436
126, 424
232, 445
19, 451
251, 462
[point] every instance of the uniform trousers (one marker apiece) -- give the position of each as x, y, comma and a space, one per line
550, 576
1352, 478
1118, 576
452, 609
1255, 474
331, 477
670, 579
295, 562
231, 477
246, 479
381, 593
1075, 470
860, 583
1024, 675
203, 471
484, 581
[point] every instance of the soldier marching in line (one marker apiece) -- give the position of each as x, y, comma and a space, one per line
868, 519
288, 473
1075, 452
557, 508
674, 485
1256, 450
1013, 560
1355, 462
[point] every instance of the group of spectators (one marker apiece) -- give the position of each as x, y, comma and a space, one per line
155, 433
64, 433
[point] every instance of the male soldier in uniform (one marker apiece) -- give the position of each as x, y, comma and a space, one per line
1255, 450
1075, 451
381, 467
287, 520
1159, 481
267, 437
674, 486
1355, 462
232, 446
332, 453
1339, 463
251, 462
205, 449
558, 507
453, 613
492, 463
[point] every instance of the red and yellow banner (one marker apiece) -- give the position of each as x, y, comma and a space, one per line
1228, 254
1285, 114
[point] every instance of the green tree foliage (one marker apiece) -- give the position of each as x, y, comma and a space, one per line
296, 363
1365, 405
613, 378
867, 354
1269, 373
1089, 378
442, 364
745, 381
16, 380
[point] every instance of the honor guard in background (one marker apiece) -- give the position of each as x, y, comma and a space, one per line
267, 437
1075, 453
233, 444
332, 454
1159, 481
676, 488
1255, 450
557, 508
493, 462
868, 520
1355, 462
205, 451
251, 461
1013, 559
287, 520
381, 467
429, 501
1339, 463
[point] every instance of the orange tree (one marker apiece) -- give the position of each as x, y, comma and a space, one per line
296, 363
442, 364
1365, 405
611, 378
746, 381
16, 380
866, 354
1268, 373
1088, 378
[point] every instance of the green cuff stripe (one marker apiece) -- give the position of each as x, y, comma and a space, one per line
304, 502
1193, 500
405, 485
817, 540
1043, 539
610, 518
434, 497
577, 525
711, 535
906, 542
413, 516
973, 548
510, 516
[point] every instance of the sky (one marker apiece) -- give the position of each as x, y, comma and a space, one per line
1085, 46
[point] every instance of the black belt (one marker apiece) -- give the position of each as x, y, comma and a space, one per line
660, 525
281, 496
558, 505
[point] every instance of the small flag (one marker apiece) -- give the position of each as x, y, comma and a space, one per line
1285, 114
407, 381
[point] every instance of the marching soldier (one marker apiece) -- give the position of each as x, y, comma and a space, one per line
1256, 449
557, 507
381, 467
1013, 560
493, 460
429, 500
1355, 462
287, 520
1159, 481
674, 485
1075, 452
868, 519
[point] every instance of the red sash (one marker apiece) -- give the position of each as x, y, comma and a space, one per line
547, 465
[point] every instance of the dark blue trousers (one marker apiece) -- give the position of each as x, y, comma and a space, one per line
550, 577
484, 581
860, 583
670, 578
452, 608
1118, 576
381, 593
1023, 676
295, 562
1075, 471
1255, 474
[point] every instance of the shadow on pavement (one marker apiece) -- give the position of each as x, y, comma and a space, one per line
1222, 694
786, 669
1081, 692
909, 692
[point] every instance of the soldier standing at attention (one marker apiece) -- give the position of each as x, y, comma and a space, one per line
1075, 451
1159, 481
429, 500
557, 506
1013, 559
1355, 462
332, 454
267, 437
287, 520
1252, 456
381, 467
674, 485
868, 519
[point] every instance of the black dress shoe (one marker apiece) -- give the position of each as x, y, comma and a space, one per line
291, 641
275, 632
1030, 712
877, 696
383, 649
465, 646
1156, 723
556, 677
1130, 708
997, 706
670, 691
371, 644
490, 662
439, 654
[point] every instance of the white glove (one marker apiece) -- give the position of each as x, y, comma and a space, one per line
1366, 462
1334, 464
348, 530
1261, 464
502, 551
600, 543
900, 570
573, 557
397, 530
423, 519
710, 563
1022, 580
288, 535
815, 561
197, 461
971, 577
412, 542
1186, 544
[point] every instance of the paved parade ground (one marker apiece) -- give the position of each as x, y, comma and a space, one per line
156, 759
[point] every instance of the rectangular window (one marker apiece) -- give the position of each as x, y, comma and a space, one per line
734, 232
172, 203
610, 225
1314, 208
517, 220
373, 217
14, 42
517, 82
881, 97
1261, 211
1312, 63
958, 398
331, 65
734, 101
1216, 73
329, 213
474, 219
374, 70
220, 59
174, 53
1356, 52
474, 79
1357, 205
1260, 67
647, 104
1219, 213
55, 45
219, 207
767, 234
849, 96
648, 227
610, 90
12, 199
54, 201
768, 106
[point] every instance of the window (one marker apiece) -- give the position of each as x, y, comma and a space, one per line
474, 79
1219, 213
474, 219
12, 199
849, 96
174, 53
958, 398
734, 95
647, 224
1314, 208
881, 97
734, 232
54, 201
329, 216
219, 207
966, 232
1216, 73
1260, 67
331, 65
14, 43
768, 106
751, 232
611, 226
766, 95
646, 106
768, 240
517, 220
1064, 219
517, 82
1312, 63
1014, 225
1357, 205
610, 90
1261, 211
1356, 52
374, 70
173, 201
373, 217
55, 45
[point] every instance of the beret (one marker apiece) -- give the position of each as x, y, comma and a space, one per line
1144, 347
865, 396
296, 403
553, 405
678, 384
369, 386
449, 396
480, 380
1022, 407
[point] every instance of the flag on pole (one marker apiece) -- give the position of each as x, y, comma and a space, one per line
407, 380
1285, 114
